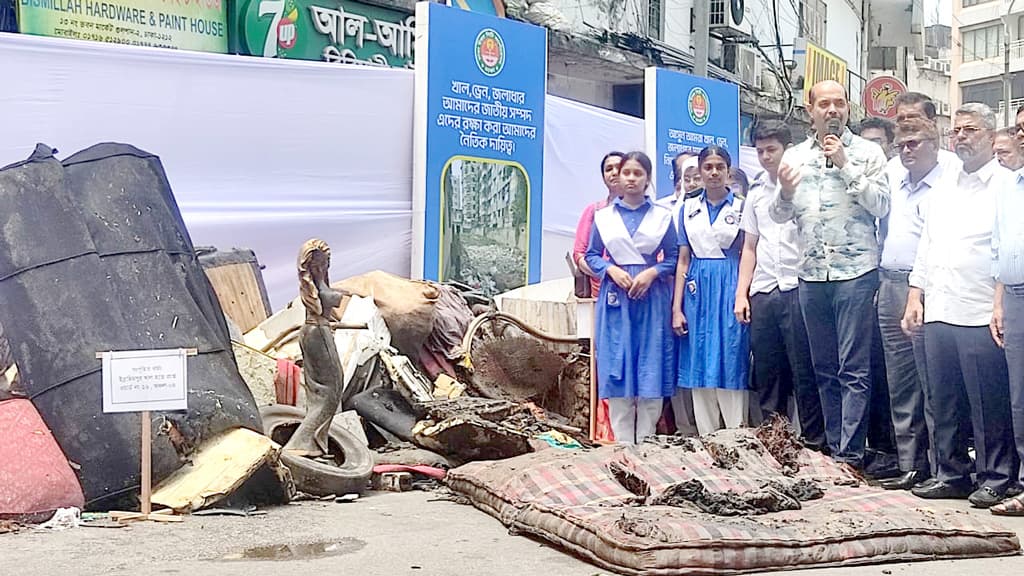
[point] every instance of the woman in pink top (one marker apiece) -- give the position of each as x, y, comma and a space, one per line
610, 172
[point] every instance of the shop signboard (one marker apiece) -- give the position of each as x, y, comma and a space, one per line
337, 31
814, 64
690, 113
479, 148
880, 96
199, 25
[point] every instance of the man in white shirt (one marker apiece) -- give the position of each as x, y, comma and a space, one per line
766, 297
917, 142
915, 105
1008, 309
1008, 150
951, 295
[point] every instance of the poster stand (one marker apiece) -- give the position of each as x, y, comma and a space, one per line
146, 512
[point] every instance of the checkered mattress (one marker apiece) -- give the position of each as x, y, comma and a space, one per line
573, 500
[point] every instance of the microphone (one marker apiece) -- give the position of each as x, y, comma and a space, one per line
834, 127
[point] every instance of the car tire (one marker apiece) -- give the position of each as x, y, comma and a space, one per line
317, 478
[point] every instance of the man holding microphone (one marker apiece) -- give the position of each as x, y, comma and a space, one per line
834, 186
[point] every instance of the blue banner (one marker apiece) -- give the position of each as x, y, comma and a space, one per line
480, 88
687, 113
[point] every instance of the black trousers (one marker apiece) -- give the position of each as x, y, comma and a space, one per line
782, 361
968, 379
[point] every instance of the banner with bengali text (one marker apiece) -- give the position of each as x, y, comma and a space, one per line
479, 154
689, 114
199, 25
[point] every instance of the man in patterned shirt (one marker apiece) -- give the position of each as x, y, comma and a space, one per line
834, 186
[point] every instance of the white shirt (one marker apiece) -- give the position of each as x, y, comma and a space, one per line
777, 253
673, 203
1008, 236
949, 161
954, 258
902, 226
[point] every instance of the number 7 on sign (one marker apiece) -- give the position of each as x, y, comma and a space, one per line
275, 7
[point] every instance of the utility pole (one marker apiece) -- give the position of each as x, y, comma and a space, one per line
701, 21
1006, 63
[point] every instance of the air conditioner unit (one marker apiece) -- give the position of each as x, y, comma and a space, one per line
748, 66
729, 19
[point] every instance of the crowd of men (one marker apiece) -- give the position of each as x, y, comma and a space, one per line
897, 237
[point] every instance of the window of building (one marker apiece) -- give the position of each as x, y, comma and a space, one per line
969, 3
655, 19
813, 15
990, 93
981, 43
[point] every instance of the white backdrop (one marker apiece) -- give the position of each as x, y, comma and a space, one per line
265, 153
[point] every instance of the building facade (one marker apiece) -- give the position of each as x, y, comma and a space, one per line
980, 31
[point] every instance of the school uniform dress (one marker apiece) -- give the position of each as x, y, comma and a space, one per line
633, 337
714, 357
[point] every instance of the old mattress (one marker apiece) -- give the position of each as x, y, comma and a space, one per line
701, 507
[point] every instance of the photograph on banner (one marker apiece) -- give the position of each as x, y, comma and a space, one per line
484, 240
479, 154
199, 25
490, 7
814, 64
339, 31
690, 113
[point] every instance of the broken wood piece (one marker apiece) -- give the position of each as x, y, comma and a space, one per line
220, 466
447, 387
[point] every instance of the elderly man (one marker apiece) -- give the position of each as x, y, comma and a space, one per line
1007, 149
917, 141
951, 294
1007, 324
834, 186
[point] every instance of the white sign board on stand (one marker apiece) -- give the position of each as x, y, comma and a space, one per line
145, 380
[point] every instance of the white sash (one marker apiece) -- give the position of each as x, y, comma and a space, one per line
709, 240
625, 249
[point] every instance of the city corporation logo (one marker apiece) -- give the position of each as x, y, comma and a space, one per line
490, 52
699, 106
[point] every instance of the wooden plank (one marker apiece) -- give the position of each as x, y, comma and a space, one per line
240, 295
219, 467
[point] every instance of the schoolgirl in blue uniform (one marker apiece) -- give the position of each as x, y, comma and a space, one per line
714, 348
633, 332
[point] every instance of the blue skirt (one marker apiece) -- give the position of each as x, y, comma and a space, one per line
716, 352
634, 340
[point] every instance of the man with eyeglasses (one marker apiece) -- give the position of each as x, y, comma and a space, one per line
918, 106
1008, 150
917, 143
1007, 324
951, 294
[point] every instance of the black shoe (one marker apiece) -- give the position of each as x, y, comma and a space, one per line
1014, 490
904, 481
986, 497
939, 490
926, 483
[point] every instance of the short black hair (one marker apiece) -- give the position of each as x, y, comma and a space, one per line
772, 130
1021, 109
612, 154
878, 124
714, 151
911, 98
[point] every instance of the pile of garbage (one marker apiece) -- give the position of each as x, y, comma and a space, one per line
95, 257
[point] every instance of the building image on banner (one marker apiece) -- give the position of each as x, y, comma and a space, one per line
340, 31
814, 64
484, 239
690, 113
199, 25
479, 154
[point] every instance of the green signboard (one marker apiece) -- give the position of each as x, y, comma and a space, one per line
328, 30
183, 24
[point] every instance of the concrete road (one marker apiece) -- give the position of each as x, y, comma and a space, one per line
381, 534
